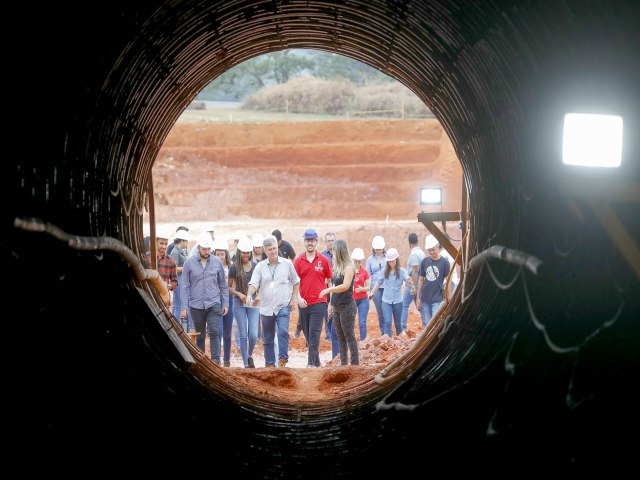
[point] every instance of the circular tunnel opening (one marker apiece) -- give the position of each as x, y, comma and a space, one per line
525, 361
250, 172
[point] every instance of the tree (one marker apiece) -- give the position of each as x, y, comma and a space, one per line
331, 66
254, 74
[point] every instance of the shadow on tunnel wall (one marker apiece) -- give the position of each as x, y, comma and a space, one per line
536, 370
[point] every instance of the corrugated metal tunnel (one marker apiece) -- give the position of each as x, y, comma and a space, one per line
534, 369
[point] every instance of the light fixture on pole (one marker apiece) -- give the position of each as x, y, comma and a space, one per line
591, 140
431, 196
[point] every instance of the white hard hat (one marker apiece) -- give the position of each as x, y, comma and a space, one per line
378, 242
163, 234
257, 240
205, 241
357, 254
430, 242
221, 244
182, 235
392, 254
244, 245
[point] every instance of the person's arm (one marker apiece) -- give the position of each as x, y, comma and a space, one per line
184, 290
420, 282
408, 280
377, 286
344, 286
414, 278
173, 275
294, 295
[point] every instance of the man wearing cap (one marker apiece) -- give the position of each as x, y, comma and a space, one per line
205, 293
278, 284
434, 270
413, 268
179, 255
165, 265
315, 272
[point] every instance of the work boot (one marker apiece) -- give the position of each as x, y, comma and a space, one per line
268, 365
227, 363
250, 362
282, 363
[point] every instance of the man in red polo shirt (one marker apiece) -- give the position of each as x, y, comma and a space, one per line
314, 270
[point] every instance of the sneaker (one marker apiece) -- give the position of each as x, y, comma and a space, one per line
250, 362
311, 366
297, 335
227, 364
282, 363
268, 365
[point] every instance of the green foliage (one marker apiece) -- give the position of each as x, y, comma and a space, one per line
280, 67
256, 73
331, 66
311, 95
303, 95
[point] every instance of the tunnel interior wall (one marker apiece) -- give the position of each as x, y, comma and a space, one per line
536, 368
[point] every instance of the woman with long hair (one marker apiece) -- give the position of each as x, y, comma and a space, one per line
342, 302
392, 279
221, 249
361, 287
248, 318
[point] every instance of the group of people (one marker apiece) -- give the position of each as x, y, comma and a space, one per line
259, 286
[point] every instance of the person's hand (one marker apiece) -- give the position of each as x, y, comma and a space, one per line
323, 293
247, 300
302, 303
183, 313
225, 310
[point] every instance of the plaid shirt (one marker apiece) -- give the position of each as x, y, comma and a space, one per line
166, 269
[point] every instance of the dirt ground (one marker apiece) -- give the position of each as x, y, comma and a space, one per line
355, 178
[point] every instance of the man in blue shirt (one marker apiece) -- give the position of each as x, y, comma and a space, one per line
205, 292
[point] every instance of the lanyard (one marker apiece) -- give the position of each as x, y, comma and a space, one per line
273, 272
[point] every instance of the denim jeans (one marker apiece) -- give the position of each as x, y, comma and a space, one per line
226, 324
207, 321
428, 310
363, 311
392, 310
407, 298
247, 318
312, 318
269, 322
377, 301
187, 323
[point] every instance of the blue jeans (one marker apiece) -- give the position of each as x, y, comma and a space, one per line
392, 310
406, 303
226, 324
207, 321
363, 311
377, 301
428, 310
269, 322
187, 323
311, 319
248, 319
